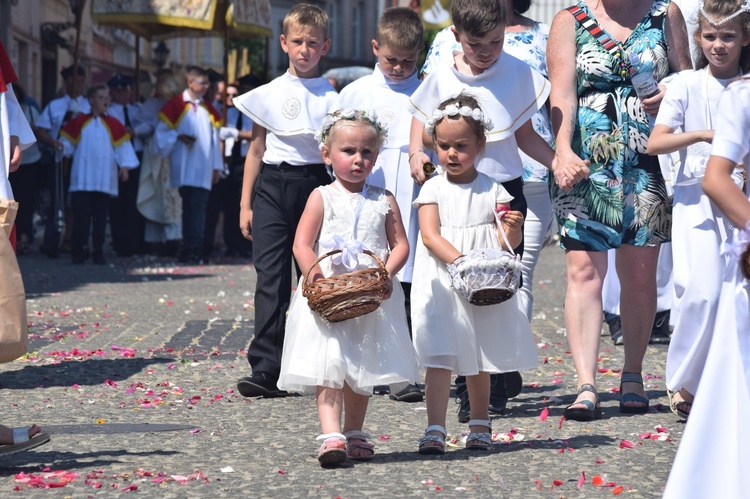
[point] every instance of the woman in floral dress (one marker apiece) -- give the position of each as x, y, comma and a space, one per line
608, 193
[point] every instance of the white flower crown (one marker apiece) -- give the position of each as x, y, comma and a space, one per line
454, 110
350, 114
744, 8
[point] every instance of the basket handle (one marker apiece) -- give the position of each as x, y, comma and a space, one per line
502, 233
331, 253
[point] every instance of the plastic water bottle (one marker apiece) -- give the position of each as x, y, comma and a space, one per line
643, 81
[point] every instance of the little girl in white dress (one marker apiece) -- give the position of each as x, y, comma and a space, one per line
714, 455
456, 215
342, 362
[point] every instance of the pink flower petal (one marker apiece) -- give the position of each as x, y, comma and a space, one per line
544, 414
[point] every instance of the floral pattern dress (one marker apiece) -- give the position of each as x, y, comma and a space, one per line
624, 200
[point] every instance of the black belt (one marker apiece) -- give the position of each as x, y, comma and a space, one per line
296, 170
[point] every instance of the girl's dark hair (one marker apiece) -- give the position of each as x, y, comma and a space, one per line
718, 10
521, 6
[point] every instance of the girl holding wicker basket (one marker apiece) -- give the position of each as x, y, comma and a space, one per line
353, 242
464, 218
723, 396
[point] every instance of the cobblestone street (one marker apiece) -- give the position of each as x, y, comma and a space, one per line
141, 342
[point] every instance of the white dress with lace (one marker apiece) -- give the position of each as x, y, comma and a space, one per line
449, 332
366, 351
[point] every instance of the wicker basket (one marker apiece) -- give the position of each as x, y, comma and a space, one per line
745, 263
345, 296
482, 285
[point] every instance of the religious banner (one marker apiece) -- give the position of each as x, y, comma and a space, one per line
164, 18
436, 14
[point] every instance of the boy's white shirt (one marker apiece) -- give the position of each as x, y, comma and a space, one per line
291, 110
191, 165
509, 92
96, 160
390, 100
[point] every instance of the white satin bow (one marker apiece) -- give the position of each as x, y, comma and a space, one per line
350, 250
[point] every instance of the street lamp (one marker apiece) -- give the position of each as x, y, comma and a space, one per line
161, 52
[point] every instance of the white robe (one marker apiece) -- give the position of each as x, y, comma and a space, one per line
191, 165
96, 160
291, 109
12, 122
390, 100
714, 454
508, 102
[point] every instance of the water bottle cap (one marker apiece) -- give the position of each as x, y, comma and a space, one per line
635, 60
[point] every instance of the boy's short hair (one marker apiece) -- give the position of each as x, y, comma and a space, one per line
93, 89
400, 28
307, 15
477, 17
193, 71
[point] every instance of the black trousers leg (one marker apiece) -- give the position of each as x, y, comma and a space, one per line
99, 208
82, 205
279, 200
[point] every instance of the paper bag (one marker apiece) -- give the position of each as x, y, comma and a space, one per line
13, 328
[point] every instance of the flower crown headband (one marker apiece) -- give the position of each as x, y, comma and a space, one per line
454, 110
744, 8
348, 114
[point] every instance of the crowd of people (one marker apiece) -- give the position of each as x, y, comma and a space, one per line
604, 123
164, 164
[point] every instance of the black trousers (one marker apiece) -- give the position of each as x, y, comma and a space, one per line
126, 222
24, 182
225, 198
279, 199
89, 213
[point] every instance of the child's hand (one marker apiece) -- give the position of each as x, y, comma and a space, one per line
390, 288
513, 220
123, 175
417, 160
707, 136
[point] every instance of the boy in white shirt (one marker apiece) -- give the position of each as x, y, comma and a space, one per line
283, 166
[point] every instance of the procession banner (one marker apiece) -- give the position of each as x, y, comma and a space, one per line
436, 14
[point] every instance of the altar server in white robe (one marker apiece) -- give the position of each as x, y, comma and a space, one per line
188, 134
102, 154
399, 40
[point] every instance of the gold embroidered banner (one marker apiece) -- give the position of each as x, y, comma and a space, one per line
170, 18
436, 14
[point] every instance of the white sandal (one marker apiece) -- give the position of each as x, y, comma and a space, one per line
428, 438
333, 450
481, 440
361, 444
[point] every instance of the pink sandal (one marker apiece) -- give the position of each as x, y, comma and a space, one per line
333, 450
360, 443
